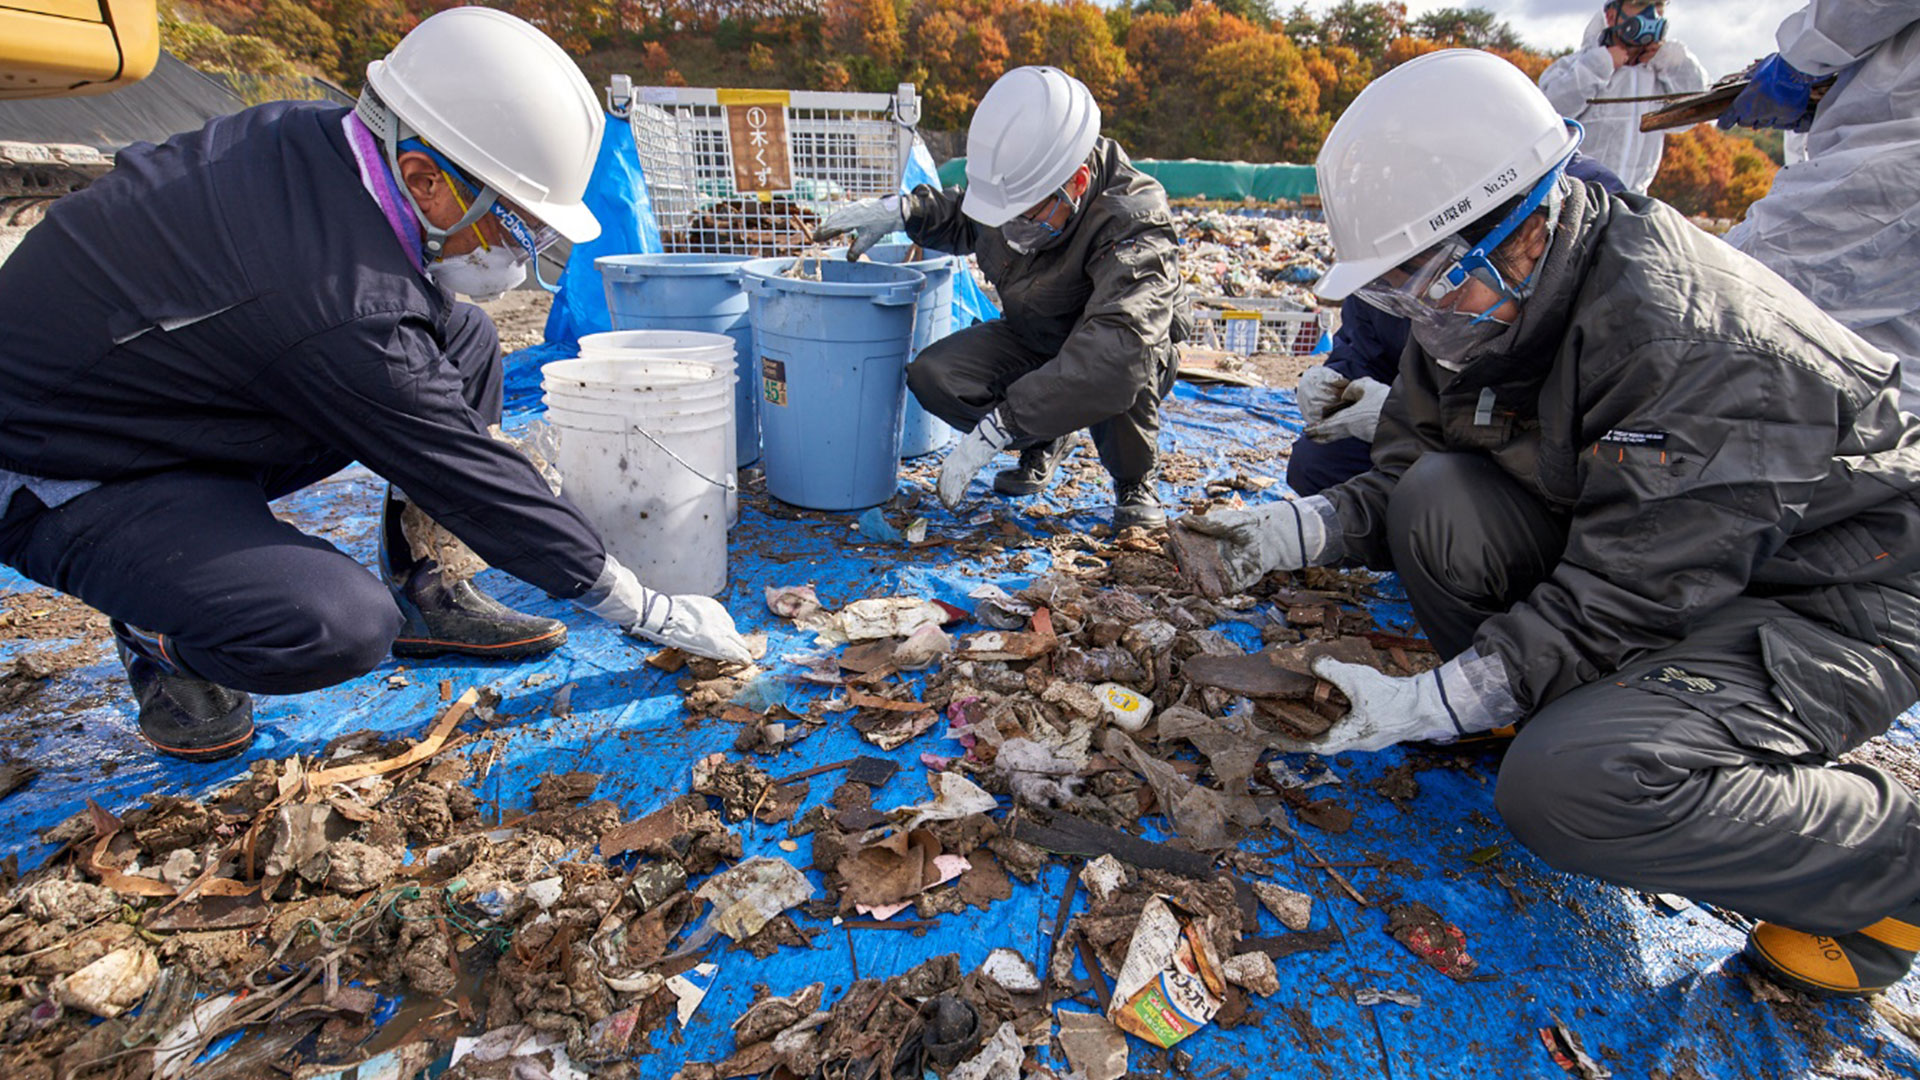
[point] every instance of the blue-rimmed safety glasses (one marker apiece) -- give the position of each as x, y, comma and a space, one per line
1417, 289
532, 239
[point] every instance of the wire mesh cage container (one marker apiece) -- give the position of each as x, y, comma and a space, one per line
1248, 325
752, 172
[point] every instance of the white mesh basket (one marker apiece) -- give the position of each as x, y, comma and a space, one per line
1248, 325
839, 147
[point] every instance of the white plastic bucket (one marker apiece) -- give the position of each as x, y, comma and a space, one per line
661, 344
604, 382
646, 451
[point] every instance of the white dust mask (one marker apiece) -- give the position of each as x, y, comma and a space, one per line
480, 275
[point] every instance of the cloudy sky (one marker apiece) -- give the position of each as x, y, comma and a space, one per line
1725, 34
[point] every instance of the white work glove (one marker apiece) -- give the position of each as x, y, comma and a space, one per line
1359, 420
696, 624
1435, 706
1319, 389
969, 456
1277, 536
869, 221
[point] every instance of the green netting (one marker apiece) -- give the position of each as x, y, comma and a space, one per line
1191, 179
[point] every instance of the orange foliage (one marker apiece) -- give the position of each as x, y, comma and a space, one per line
1708, 172
1263, 102
868, 28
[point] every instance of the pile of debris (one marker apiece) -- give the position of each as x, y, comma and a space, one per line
306, 903
1235, 255
744, 225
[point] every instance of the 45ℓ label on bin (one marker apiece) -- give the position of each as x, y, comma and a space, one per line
773, 379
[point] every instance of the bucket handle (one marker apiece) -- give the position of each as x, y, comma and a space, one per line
731, 485
904, 293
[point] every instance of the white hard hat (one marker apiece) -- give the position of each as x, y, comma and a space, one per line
1424, 151
502, 101
1034, 128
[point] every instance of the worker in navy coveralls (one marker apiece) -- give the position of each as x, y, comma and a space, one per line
243, 310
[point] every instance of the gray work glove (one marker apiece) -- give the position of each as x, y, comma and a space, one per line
1359, 419
696, 624
1386, 710
969, 456
1277, 536
1319, 390
869, 221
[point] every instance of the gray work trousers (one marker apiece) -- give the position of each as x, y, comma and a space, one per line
1706, 768
964, 376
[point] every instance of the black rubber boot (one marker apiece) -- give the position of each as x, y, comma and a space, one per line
1863, 962
1036, 468
181, 715
1137, 505
453, 618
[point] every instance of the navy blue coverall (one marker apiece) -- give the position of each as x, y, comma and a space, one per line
221, 320
1369, 345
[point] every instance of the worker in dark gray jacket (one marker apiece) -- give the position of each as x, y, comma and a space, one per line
1081, 247
1643, 496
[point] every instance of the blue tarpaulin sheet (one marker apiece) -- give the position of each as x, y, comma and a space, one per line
1650, 989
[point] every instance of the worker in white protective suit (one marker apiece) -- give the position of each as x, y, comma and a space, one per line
1625, 54
1844, 225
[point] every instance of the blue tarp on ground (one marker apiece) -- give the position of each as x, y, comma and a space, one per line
1651, 991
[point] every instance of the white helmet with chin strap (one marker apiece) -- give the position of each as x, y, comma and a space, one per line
501, 101
1032, 130
1424, 151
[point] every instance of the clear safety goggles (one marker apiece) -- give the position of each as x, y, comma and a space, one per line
1418, 288
476, 201
532, 239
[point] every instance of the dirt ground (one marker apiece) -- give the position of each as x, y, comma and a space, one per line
521, 317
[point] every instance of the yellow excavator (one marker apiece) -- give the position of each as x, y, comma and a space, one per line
55, 48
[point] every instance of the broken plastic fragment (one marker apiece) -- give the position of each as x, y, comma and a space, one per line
112, 984
999, 1059
762, 694
1124, 707
1035, 773
998, 610
892, 616
1011, 971
954, 797
794, 602
1254, 971
1103, 877
689, 989
874, 526
1370, 995
922, 648
1095, 1048
1293, 909
544, 893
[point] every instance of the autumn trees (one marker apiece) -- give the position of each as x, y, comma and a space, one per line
1220, 79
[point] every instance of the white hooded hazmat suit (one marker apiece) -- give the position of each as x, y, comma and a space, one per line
1844, 225
1613, 131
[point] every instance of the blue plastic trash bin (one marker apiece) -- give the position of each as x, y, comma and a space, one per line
832, 361
920, 431
691, 292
